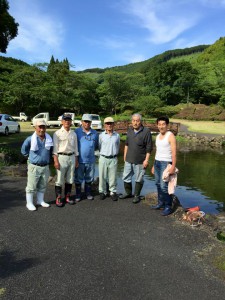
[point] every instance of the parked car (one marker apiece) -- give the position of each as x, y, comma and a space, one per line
8, 124
96, 122
22, 117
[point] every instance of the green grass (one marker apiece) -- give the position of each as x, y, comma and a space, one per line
203, 126
220, 261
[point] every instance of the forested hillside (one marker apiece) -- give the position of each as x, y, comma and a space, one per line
161, 84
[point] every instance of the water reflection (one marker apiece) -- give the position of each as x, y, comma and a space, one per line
201, 178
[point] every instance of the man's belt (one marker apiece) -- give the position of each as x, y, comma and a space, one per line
68, 154
110, 156
40, 165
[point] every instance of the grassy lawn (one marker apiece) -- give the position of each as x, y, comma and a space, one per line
203, 126
26, 130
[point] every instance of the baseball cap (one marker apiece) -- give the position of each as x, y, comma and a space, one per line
40, 123
86, 117
66, 117
109, 120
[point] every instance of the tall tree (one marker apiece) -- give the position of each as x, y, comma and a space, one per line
115, 91
8, 26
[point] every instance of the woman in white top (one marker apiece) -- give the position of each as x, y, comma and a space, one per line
165, 154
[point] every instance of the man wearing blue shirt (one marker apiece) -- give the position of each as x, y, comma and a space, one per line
38, 149
109, 145
87, 139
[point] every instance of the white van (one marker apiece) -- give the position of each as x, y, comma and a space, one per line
96, 122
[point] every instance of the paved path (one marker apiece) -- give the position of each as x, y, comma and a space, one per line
100, 250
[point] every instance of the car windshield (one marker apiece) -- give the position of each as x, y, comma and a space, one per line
95, 118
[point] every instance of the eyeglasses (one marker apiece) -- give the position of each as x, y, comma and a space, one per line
109, 123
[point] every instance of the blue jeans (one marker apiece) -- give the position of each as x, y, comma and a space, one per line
162, 187
85, 172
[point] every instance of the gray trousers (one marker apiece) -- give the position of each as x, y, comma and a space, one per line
37, 178
107, 173
66, 172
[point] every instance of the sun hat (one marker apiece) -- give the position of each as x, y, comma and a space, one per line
109, 120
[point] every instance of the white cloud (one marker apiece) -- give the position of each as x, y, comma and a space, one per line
164, 20
129, 58
39, 34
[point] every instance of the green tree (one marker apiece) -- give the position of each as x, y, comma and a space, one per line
8, 26
148, 104
118, 91
172, 82
25, 90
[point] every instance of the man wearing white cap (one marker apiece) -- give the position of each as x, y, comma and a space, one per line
109, 145
38, 149
87, 139
65, 159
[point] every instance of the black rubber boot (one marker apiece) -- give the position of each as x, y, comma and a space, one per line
137, 192
68, 188
128, 190
58, 193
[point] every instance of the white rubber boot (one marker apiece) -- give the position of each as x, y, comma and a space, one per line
30, 204
40, 200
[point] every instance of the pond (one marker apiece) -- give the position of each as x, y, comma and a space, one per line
201, 178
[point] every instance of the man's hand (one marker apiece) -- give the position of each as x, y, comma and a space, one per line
145, 163
172, 170
56, 163
76, 164
153, 170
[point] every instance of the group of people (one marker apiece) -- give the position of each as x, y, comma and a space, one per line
74, 158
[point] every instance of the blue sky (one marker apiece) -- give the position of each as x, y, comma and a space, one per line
106, 33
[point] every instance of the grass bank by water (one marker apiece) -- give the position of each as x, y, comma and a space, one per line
212, 127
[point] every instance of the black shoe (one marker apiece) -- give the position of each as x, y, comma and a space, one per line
136, 199
125, 196
114, 197
102, 196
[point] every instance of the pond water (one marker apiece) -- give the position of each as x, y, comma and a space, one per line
201, 178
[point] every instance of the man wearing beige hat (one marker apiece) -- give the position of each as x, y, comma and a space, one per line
109, 143
38, 149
